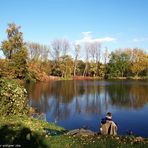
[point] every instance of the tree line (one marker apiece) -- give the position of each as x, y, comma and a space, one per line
34, 61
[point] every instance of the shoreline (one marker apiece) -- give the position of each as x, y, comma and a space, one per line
55, 78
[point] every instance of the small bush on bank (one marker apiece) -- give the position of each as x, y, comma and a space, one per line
13, 100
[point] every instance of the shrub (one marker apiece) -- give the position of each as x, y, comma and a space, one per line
13, 98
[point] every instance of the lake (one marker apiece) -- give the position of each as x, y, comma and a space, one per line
82, 104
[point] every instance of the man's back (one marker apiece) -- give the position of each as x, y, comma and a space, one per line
108, 126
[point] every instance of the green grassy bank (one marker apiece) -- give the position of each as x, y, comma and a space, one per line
28, 132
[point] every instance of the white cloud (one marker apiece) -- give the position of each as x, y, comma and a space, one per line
140, 39
87, 38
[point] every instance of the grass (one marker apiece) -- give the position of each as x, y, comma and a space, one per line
93, 142
32, 133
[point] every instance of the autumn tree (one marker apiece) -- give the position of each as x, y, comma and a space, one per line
14, 42
60, 48
66, 66
39, 56
15, 51
139, 61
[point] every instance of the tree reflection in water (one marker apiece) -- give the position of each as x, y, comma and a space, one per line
64, 99
128, 95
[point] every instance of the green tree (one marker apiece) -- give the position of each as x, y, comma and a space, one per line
92, 69
19, 63
80, 67
118, 64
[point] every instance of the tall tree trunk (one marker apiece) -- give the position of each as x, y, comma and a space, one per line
75, 67
86, 69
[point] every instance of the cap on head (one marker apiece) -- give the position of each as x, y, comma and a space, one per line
109, 115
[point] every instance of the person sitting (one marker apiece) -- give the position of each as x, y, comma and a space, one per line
108, 127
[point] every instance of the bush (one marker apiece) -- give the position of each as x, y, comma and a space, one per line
13, 98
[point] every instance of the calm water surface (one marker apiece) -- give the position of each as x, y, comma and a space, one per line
76, 104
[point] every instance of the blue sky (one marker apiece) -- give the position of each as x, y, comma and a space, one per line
125, 22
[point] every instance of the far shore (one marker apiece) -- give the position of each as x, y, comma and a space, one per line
52, 78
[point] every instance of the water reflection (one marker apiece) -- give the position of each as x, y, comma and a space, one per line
78, 101
129, 95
